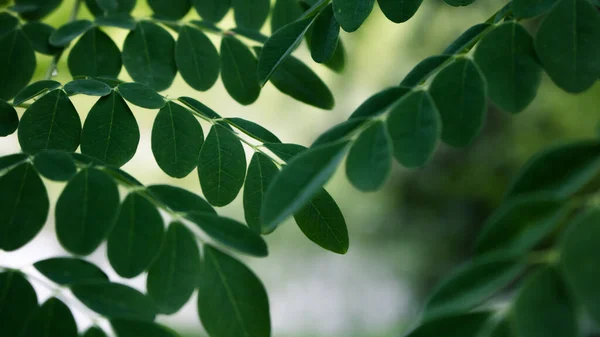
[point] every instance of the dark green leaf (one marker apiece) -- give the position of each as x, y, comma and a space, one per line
110, 132
95, 332
86, 210
543, 307
86, 160
221, 166
250, 34
279, 46
561, 170
379, 103
323, 223
69, 32
472, 283
455, 325
9, 120
199, 107
467, 39
325, 35
176, 272
284, 12
119, 20
149, 56
24, 207
253, 130
134, 328
579, 262
230, 292
207, 25
123, 6
460, 94
285, 151
568, 45
521, 224
17, 63
12, 160
529, 9
212, 10
299, 182
53, 318
459, 3
122, 176
55, 165
180, 200
108, 6
35, 89
95, 54
507, 59
39, 34
177, 138
261, 172
136, 237
370, 159
238, 71
88, 87
250, 14
114, 300
337, 62
414, 127
352, 13
35, 9
18, 301
501, 329
399, 11
141, 95
111, 82
9, 22
197, 58
423, 70
170, 9
68, 270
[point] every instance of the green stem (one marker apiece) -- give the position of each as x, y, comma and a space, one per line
50, 72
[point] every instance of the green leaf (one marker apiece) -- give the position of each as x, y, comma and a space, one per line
352, 13
261, 172
529, 9
198, 107
467, 40
501, 329
86, 210
95, 54
238, 71
279, 46
89, 87
521, 223
414, 127
86, 160
114, 300
284, 12
230, 233
149, 56
53, 318
423, 70
250, 14
472, 283
177, 138
69, 32
455, 325
296, 79
370, 159
136, 238
108, 5
561, 170
212, 10
122, 176
110, 132
323, 223
221, 166
460, 94
568, 45
459, 3
253, 130
230, 292
9, 22
12, 160
123, 6
379, 103
24, 207
68, 270
95, 332
35, 9
285, 151
324, 36
134, 328
299, 182
9, 120
507, 58
55, 165
197, 58
180, 200
339, 131
18, 301
118, 20
170, 9
579, 262
543, 307
399, 11
141, 95
176, 272
35, 89
52, 122
17, 63
39, 34
337, 62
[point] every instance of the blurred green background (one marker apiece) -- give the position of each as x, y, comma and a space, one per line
403, 237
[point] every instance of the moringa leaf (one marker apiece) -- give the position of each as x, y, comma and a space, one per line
238, 71
18, 302
285, 151
8, 23
529, 9
17, 63
454, 325
352, 13
12, 160
467, 40
69, 32
423, 70
370, 159
118, 20
379, 103
180, 200
94, 331
34, 90
284, 12
261, 172
399, 11
95, 54
338, 132
253, 130
324, 36
123, 6
89, 87
197, 58
170, 9
141, 95
133, 328
53, 318
55, 165
69, 270
212, 10
198, 107
250, 14
39, 34
9, 120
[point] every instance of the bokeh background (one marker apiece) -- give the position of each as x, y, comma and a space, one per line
405, 237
